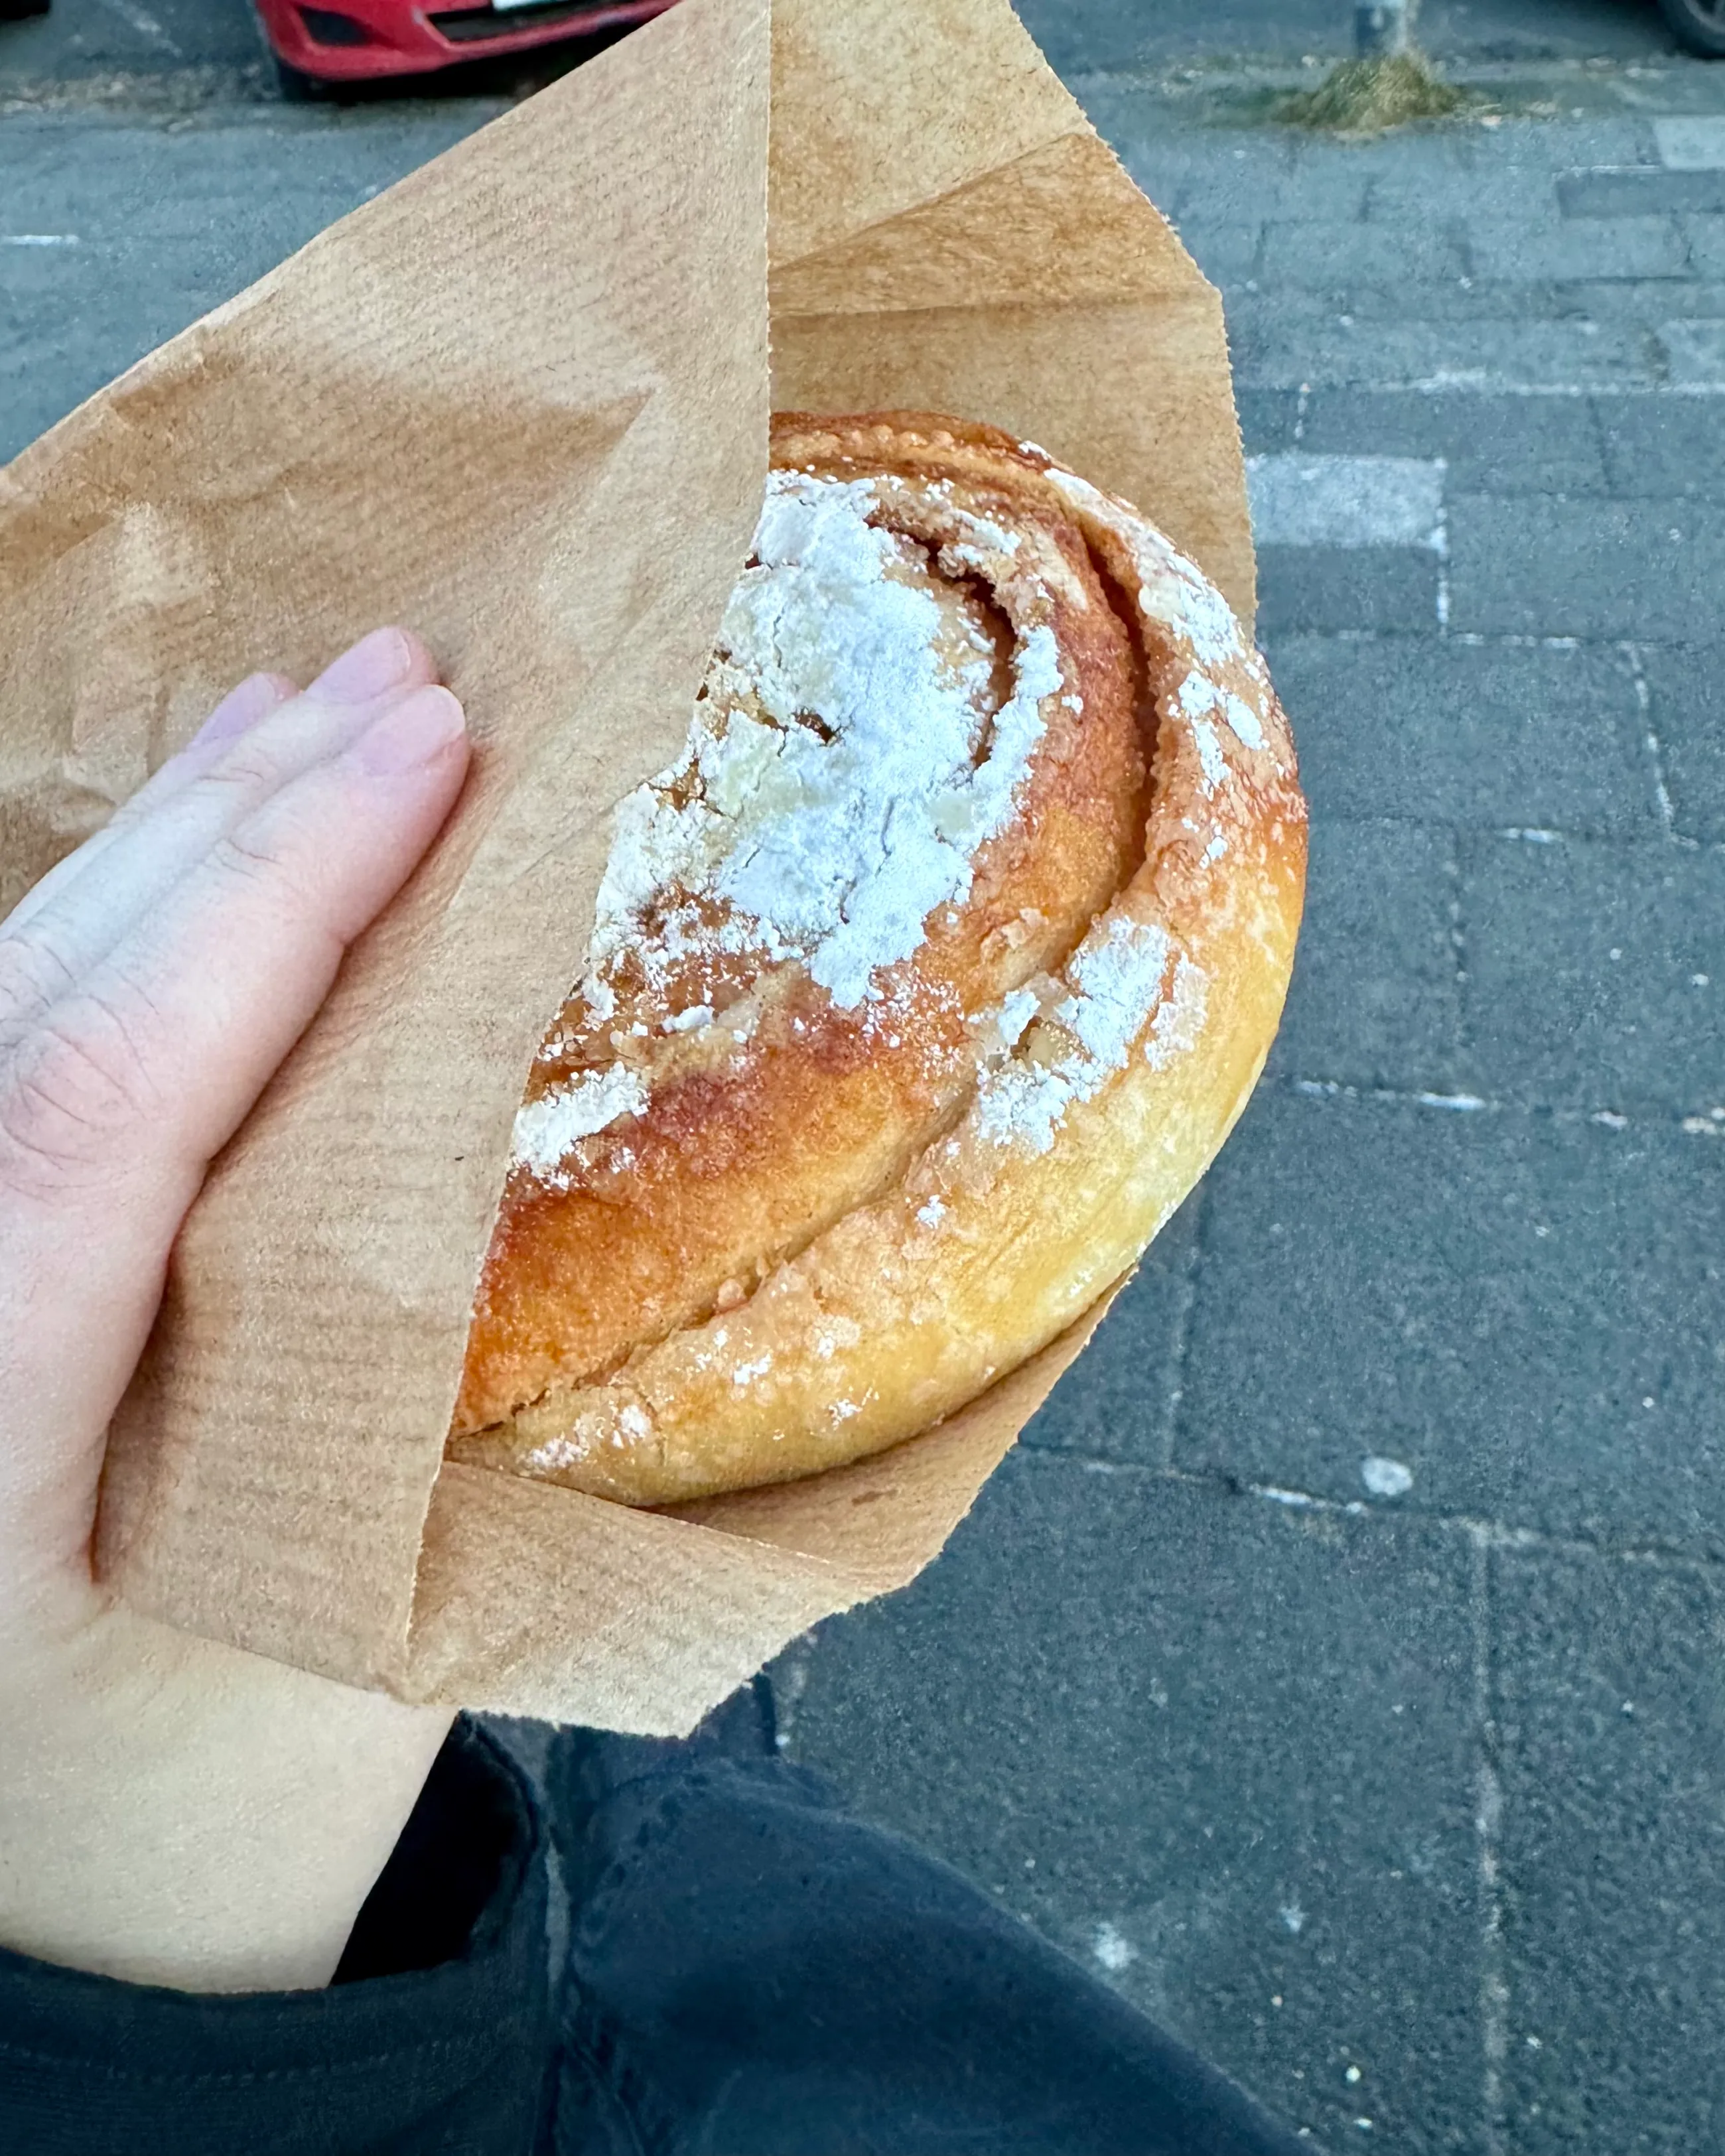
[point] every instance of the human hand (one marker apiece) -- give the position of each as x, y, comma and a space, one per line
149, 988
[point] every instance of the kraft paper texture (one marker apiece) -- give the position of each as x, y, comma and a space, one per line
520, 403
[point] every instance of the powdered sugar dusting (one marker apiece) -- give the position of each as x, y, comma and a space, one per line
1247, 725
1116, 980
1179, 1020
556, 1454
843, 767
1211, 760
1116, 974
1003, 1028
1023, 1105
842, 816
1174, 593
547, 1130
1171, 589
1198, 695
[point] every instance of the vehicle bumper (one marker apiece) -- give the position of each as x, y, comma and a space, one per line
387, 37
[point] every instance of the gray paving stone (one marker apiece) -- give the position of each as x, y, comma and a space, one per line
1324, 181
1491, 444
126, 40
1488, 1298
1694, 353
1686, 685
1337, 588
1618, 246
1257, 1788
1654, 193
1646, 302
1267, 420
1614, 308
1374, 999
1304, 501
1455, 305
1611, 1857
1595, 139
1690, 143
1273, 349
1595, 973
1403, 196
1487, 734
1322, 253
1222, 250
1119, 1403
1662, 445
1239, 186
127, 183
1706, 245
1651, 570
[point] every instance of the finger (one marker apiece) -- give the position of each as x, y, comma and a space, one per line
278, 742
257, 695
117, 1104
250, 747
240, 709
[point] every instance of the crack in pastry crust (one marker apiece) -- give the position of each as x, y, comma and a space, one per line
923, 986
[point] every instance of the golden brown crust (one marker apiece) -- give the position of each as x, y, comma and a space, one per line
812, 1241
748, 1148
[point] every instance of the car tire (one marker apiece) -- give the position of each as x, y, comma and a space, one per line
1697, 25
297, 87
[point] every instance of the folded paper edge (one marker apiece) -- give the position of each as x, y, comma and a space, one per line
480, 1547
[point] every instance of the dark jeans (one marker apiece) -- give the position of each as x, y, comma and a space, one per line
756, 1973
733, 1966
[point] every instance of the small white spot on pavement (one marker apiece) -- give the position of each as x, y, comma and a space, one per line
1112, 1950
1386, 1478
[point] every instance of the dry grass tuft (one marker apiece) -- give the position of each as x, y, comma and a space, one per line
1369, 96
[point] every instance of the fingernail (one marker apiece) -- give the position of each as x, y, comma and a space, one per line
254, 699
410, 734
378, 662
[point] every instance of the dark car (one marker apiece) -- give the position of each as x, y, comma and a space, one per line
1699, 25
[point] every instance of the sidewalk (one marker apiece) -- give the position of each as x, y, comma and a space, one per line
1340, 1663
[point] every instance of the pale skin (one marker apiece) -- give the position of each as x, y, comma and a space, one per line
171, 1811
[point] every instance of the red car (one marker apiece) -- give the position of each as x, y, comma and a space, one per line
363, 38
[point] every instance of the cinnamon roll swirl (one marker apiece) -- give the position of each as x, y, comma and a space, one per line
923, 985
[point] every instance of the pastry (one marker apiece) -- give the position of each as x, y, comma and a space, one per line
923, 985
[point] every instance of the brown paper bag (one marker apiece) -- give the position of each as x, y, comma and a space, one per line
520, 402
